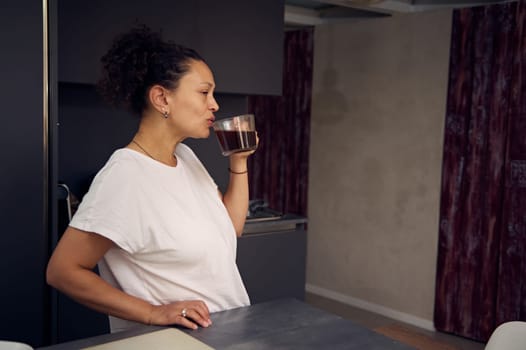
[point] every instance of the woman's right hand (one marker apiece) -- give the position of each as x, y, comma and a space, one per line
189, 314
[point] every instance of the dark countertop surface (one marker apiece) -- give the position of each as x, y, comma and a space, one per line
286, 222
281, 324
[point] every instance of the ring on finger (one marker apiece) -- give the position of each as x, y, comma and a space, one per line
183, 312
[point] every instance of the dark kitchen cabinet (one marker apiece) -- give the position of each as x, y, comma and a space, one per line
241, 40
272, 261
24, 174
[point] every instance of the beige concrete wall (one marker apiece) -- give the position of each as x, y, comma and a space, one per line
378, 109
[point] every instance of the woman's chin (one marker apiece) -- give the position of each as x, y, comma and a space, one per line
202, 135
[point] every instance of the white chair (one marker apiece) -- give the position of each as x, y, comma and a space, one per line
508, 336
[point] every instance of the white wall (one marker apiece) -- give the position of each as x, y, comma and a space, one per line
378, 109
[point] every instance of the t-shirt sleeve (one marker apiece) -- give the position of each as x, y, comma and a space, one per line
110, 208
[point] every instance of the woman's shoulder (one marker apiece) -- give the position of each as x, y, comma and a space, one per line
120, 158
124, 153
114, 176
121, 163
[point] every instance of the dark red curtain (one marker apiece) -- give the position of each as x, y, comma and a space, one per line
279, 168
481, 268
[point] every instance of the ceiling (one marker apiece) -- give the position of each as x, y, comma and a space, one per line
314, 12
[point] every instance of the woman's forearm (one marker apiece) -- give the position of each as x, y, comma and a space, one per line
237, 193
89, 289
70, 270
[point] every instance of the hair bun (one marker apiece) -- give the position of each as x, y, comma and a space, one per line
137, 60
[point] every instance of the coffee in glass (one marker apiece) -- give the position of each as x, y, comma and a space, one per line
236, 134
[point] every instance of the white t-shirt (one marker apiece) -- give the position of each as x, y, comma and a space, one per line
174, 236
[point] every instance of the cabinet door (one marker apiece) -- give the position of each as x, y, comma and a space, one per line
241, 40
23, 236
272, 265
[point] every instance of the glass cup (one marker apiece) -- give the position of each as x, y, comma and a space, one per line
236, 134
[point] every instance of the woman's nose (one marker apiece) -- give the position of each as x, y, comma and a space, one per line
213, 105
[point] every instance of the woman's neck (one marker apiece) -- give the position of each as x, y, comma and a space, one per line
154, 140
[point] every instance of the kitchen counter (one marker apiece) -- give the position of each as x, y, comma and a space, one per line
286, 222
271, 257
281, 324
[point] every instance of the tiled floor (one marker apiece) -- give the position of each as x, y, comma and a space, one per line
372, 320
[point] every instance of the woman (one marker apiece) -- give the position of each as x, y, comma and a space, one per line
164, 240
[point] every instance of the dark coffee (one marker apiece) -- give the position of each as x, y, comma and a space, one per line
236, 141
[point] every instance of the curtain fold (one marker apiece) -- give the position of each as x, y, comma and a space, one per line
481, 280
279, 168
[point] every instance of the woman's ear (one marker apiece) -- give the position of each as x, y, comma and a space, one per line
158, 98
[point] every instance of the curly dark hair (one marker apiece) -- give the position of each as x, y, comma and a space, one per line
136, 61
